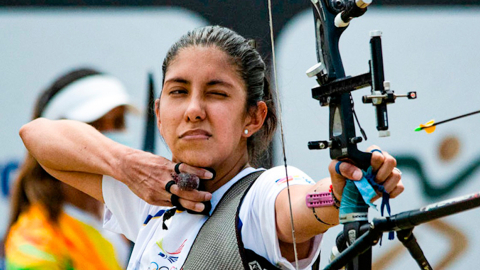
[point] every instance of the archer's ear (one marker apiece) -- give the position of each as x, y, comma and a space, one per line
157, 113
255, 119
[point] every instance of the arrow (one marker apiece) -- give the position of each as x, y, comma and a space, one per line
429, 127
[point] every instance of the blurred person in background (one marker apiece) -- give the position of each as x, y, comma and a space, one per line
53, 225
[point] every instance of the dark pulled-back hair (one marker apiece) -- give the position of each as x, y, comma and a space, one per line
251, 68
33, 183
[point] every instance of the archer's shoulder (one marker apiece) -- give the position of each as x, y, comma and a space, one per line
278, 175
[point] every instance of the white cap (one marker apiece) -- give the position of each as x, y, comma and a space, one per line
88, 99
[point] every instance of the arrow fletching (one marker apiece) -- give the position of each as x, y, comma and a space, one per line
429, 127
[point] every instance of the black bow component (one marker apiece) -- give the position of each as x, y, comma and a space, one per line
334, 86
334, 89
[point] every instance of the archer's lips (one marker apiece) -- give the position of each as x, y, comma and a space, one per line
195, 134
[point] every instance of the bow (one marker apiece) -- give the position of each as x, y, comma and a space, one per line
331, 18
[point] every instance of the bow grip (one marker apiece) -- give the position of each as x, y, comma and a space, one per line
350, 153
353, 207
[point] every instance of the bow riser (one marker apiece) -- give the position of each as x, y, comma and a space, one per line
331, 19
342, 135
343, 145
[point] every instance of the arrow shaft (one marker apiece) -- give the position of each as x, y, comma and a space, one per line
455, 118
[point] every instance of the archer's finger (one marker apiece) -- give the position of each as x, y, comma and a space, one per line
393, 180
346, 170
192, 195
339, 172
200, 172
398, 190
194, 206
386, 167
377, 157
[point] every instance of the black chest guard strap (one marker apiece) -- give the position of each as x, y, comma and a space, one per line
216, 244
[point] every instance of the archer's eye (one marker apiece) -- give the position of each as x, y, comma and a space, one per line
178, 92
218, 93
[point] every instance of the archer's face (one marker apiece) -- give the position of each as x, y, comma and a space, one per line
202, 113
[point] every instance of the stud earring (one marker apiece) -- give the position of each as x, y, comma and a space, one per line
245, 131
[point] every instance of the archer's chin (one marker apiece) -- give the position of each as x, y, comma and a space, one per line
194, 158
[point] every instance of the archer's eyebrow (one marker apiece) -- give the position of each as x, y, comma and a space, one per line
177, 80
210, 83
219, 82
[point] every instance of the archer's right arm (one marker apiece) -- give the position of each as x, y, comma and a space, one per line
73, 152
79, 155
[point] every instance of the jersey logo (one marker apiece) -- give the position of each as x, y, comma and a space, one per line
153, 266
292, 178
284, 180
170, 256
157, 215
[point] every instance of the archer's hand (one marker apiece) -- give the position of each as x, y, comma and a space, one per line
382, 164
147, 174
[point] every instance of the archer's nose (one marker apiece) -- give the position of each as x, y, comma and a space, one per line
195, 110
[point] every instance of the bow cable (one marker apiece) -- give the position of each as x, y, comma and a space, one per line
277, 99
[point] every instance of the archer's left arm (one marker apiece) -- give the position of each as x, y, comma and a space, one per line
309, 222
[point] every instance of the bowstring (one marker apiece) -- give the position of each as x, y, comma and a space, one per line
277, 99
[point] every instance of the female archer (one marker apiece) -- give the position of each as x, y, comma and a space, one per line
217, 115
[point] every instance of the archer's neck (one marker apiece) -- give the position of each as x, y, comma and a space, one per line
225, 172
